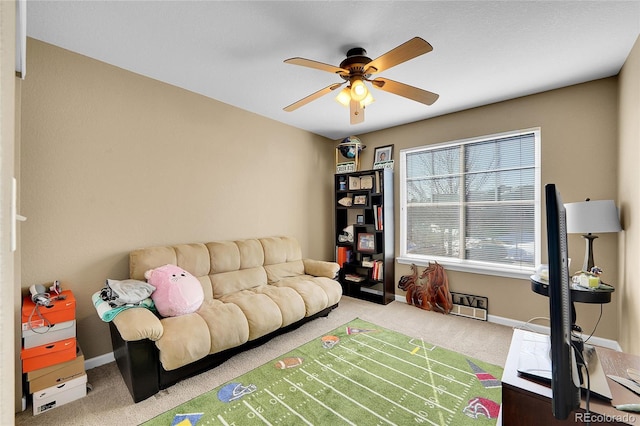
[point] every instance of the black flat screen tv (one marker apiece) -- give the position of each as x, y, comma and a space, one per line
565, 382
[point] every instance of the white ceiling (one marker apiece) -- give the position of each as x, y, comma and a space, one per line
484, 51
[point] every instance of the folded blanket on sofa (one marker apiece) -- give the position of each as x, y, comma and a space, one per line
108, 313
124, 292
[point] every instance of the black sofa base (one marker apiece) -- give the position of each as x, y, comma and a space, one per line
139, 363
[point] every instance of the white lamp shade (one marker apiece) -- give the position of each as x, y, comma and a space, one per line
588, 217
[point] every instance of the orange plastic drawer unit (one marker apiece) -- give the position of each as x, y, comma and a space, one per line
47, 355
57, 311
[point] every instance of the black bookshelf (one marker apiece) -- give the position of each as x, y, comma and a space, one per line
364, 200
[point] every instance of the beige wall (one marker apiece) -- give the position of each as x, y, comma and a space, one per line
629, 195
9, 377
113, 161
579, 154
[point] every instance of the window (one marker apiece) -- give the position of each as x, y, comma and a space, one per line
473, 205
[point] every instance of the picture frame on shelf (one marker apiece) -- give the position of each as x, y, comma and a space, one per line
360, 219
360, 200
366, 182
354, 182
383, 154
366, 242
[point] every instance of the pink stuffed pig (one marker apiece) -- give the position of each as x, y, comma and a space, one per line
177, 291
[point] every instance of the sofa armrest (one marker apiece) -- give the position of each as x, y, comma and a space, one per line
138, 324
321, 268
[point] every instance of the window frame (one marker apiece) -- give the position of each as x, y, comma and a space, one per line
465, 265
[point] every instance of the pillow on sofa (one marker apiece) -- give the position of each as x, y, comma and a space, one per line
177, 291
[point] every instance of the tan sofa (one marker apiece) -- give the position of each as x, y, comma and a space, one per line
254, 289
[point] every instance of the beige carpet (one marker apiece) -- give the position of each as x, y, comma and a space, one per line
110, 403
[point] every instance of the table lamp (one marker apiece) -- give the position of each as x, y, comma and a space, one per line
588, 217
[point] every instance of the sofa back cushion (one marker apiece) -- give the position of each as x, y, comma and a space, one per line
224, 267
282, 258
190, 257
280, 250
231, 282
235, 266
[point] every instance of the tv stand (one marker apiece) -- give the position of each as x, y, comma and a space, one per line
528, 403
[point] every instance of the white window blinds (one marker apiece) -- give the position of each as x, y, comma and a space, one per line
473, 201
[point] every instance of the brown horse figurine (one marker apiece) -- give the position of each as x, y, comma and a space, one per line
408, 283
430, 290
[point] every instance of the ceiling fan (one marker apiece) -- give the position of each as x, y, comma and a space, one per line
358, 68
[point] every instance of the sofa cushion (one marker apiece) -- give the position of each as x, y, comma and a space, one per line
229, 282
251, 254
280, 271
280, 250
137, 324
141, 260
185, 339
315, 298
289, 302
332, 288
321, 268
216, 326
193, 258
224, 256
263, 314
228, 326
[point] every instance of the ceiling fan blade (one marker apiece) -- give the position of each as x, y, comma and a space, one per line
317, 65
312, 97
405, 90
406, 51
356, 113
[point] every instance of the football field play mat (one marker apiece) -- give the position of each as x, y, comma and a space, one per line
357, 374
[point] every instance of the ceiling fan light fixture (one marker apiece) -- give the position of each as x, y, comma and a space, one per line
368, 100
344, 97
358, 90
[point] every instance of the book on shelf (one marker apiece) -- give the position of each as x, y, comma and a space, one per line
375, 216
355, 278
378, 220
367, 263
377, 273
343, 255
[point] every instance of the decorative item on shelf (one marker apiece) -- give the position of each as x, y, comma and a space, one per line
360, 219
367, 242
347, 235
350, 148
354, 182
367, 262
590, 279
429, 290
360, 200
366, 182
342, 184
588, 217
345, 201
382, 158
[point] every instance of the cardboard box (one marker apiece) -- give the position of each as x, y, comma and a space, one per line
46, 355
43, 378
34, 316
55, 396
44, 335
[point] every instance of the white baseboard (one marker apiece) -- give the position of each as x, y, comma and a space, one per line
98, 361
595, 340
599, 341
